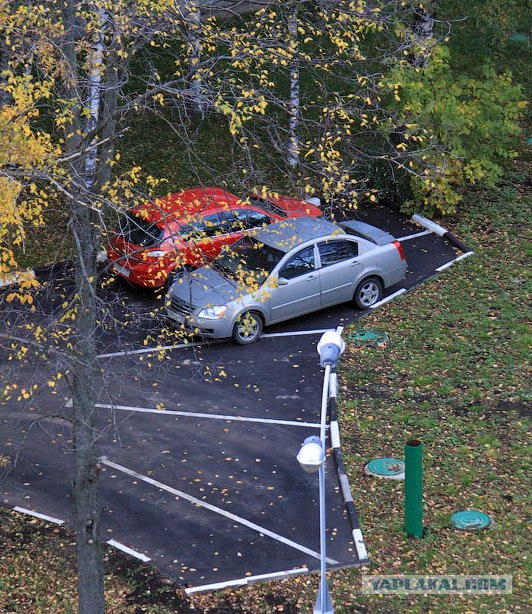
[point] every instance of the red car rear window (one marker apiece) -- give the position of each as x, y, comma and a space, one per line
138, 231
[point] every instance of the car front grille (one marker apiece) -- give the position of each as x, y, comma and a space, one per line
180, 306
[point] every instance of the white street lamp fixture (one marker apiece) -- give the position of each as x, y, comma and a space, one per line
311, 456
330, 347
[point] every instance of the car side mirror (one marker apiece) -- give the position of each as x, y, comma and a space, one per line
282, 281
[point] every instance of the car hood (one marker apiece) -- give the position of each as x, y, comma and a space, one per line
204, 287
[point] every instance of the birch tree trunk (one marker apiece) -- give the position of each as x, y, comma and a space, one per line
294, 99
423, 29
193, 42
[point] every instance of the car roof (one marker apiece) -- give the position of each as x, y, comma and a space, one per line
287, 234
186, 204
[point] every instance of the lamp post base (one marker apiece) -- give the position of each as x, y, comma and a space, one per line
323, 602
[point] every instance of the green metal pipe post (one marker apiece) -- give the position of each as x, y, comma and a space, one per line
414, 488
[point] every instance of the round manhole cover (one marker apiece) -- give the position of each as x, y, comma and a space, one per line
391, 468
374, 338
470, 520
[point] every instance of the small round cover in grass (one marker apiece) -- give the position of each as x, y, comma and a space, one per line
391, 468
470, 520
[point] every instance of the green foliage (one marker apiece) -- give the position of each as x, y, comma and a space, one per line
489, 30
468, 127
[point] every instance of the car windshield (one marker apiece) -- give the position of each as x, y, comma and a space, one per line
139, 231
267, 205
248, 256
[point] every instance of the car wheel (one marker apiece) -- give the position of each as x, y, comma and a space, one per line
248, 328
368, 292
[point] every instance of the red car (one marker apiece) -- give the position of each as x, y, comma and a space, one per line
188, 229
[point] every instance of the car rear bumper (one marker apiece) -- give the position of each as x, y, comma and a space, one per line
146, 275
396, 275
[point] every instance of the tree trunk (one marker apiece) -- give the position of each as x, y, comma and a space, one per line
84, 226
423, 28
87, 508
294, 100
193, 42
109, 106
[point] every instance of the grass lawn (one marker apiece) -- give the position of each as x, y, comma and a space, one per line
455, 376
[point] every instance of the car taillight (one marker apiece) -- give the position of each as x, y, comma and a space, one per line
399, 249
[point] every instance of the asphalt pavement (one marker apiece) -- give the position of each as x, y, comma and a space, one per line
198, 469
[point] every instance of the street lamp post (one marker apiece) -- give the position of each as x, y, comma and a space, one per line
311, 457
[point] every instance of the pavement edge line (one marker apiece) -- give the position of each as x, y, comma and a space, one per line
23, 510
277, 575
350, 508
130, 551
389, 298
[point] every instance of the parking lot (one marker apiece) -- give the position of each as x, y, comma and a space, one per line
198, 469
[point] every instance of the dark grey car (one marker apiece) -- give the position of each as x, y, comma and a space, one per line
284, 271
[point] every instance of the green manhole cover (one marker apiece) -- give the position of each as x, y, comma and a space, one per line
470, 520
374, 338
519, 37
391, 468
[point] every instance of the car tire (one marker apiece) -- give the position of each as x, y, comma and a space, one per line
368, 292
247, 328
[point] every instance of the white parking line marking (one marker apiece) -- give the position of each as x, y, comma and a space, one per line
247, 580
388, 298
180, 346
445, 266
23, 510
217, 510
193, 414
158, 348
449, 264
295, 333
137, 555
415, 235
466, 255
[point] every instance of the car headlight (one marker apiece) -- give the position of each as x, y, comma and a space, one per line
216, 312
156, 253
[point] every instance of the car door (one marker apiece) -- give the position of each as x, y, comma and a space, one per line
340, 268
298, 289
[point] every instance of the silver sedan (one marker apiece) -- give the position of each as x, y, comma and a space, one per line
284, 271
